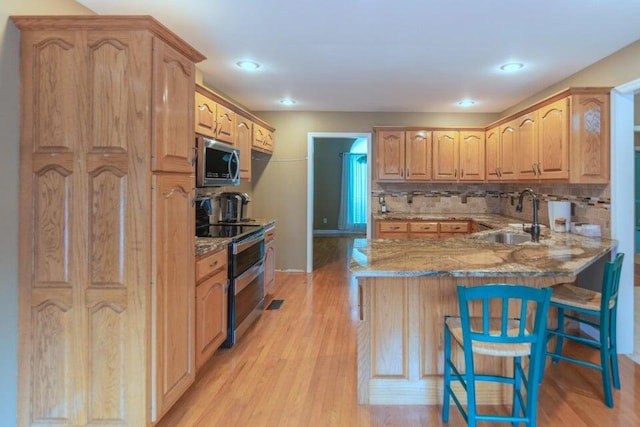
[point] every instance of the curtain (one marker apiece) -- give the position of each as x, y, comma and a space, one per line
353, 195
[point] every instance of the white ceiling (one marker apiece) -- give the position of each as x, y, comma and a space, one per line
390, 55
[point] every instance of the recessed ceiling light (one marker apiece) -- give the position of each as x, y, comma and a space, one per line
466, 103
287, 101
512, 66
248, 65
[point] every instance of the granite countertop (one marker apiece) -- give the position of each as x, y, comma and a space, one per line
557, 254
204, 245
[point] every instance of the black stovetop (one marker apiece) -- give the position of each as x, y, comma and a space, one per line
235, 231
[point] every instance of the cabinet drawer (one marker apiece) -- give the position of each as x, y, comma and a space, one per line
210, 264
269, 235
423, 227
393, 227
454, 227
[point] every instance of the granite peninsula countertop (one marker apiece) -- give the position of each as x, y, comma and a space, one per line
557, 254
204, 245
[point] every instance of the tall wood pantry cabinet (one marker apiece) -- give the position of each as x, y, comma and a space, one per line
106, 298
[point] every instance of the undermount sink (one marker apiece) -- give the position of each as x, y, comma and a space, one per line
506, 237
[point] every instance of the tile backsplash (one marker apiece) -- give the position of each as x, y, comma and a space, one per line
589, 203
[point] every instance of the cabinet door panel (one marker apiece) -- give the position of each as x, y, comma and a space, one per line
590, 138
226, 124
244, 131
172, 300
554, 141
211, 315
492, 148
445, 155
173, 135
527, 146
390, 155
418, 155
508, 153
205, 115
472, 156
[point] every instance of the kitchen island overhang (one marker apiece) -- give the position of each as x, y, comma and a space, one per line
406, 287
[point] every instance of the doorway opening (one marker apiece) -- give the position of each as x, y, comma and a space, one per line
327, 153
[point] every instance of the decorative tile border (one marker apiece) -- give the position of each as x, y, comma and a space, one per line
597, 202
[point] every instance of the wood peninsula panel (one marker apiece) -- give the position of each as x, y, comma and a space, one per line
407, 368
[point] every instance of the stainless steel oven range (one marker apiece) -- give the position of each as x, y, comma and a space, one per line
245, 274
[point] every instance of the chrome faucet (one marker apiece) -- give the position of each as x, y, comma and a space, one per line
535, 227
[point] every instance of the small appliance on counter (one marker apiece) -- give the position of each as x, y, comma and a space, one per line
233, 207
559, 216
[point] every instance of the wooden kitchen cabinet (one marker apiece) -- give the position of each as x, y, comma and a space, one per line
106, 295
243, 137
553, 140
205, 115
542, 143
507, 154
392, 230
590, 140
399, 229
173, 140
269, 259
212, 117
472, 157
262, 139
172, 302
403, 156
423, 230
446, 148
458, 156
212, 299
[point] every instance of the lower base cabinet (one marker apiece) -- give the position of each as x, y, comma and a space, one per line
393, 229
269, 260
212, 296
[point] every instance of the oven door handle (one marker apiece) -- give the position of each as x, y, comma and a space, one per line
248, 276
245, 243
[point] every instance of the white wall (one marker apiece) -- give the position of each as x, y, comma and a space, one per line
9, 161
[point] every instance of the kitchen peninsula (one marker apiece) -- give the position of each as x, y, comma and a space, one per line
406, 287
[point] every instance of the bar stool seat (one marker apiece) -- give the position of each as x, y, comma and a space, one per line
577, 297
491, 348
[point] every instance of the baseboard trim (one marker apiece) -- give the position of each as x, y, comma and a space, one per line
339, 233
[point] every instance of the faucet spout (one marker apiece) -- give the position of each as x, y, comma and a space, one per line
535, 226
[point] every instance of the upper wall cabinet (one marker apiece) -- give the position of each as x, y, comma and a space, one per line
213, 119
458, 156
403, 155
589, 145
500, 153
262, 139
220, 118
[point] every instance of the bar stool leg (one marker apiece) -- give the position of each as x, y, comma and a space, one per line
517, 382
559, 339
614, 350
446, 398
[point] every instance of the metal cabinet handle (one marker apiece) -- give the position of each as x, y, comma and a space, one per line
533, 166
461, 173
539, 169
455, 173
408, 173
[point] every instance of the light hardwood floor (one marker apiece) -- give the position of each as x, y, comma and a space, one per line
297, 367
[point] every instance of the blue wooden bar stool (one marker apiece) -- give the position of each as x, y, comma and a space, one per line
604, 306
497, 332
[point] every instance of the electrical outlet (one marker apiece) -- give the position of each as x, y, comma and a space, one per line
324, 220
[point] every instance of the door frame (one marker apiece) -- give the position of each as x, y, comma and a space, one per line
623, 203
311, 136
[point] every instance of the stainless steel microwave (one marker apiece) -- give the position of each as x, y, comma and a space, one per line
217, 163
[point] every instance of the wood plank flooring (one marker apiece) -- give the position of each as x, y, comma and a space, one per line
297, 367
